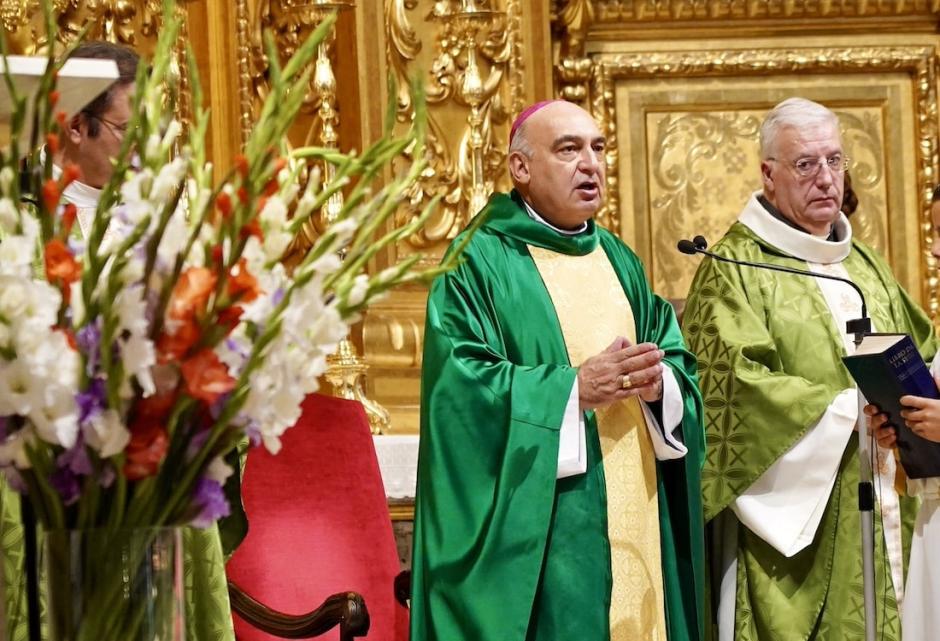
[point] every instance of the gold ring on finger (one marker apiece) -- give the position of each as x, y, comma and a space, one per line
626, 383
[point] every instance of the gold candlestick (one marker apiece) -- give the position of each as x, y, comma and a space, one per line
468, 19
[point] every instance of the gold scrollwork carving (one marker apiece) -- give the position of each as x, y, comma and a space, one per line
675, 10
475, 76
918, 62
572, 68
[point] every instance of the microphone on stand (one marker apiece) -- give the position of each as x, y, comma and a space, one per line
860, 327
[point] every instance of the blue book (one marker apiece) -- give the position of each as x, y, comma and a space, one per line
887, 367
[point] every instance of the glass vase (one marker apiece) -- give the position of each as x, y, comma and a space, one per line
113, 585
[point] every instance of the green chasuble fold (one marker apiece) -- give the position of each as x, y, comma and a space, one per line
503, 550
770, 365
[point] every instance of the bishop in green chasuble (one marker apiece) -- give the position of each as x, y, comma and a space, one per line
504, 549
780, 483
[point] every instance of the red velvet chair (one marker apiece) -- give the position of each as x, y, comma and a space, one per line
318, 524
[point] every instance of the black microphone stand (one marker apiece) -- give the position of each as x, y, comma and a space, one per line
859, 328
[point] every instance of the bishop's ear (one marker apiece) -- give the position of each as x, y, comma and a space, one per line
519, 168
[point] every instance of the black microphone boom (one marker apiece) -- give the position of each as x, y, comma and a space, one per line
858, 326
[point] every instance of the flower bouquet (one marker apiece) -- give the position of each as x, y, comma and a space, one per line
135, 358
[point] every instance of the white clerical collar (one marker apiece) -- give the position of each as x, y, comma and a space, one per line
793, 241
81, 195
564, 232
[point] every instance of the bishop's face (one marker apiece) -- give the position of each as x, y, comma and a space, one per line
564, 177
805, 177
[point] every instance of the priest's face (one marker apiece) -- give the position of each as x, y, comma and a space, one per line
563, 176
805, 177
94, 141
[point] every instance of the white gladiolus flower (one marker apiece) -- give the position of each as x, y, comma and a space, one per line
168, 180
56, 421
20, 391
274, 212
357, 294
106, 433
14, 297
139, 357
172, 133
152, 146
6, 179
5, 335
9, 216
77, 303
218, 470
16, 255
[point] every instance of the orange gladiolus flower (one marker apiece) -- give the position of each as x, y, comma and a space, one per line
241, 164
61, 267
54, 97
252, 228
52, 142
70, 174
146, 449
229, 317
50, 194
242, 285
62, 118
191, 293
243, 195
206, 377
172, 347
224, 204
69, 214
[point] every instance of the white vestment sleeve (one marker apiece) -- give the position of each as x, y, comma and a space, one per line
572, 456
665, 445
785, 505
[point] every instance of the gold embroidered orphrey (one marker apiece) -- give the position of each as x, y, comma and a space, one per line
637, 609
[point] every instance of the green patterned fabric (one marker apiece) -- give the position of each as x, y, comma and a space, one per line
502, 551
770, 364
208, 613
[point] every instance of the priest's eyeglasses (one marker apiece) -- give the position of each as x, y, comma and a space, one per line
807, 167
116, 130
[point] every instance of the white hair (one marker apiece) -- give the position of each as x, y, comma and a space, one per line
794, 112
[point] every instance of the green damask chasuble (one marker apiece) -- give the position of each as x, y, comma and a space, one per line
503, 550
770, 365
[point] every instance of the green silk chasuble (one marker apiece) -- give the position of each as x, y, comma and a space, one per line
770, 364
503, 550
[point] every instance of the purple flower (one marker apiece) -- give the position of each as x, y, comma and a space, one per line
89, 343
195, 444
76, 459
210, 499
66, 483
277, 296
92, 400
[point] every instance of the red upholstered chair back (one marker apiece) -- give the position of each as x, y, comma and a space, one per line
319, 522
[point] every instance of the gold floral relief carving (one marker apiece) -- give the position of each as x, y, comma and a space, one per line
471, 53
665, 10
919, 63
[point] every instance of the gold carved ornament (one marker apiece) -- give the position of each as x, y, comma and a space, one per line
475, 76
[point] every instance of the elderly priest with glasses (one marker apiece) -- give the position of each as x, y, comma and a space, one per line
780, 483
561, 443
